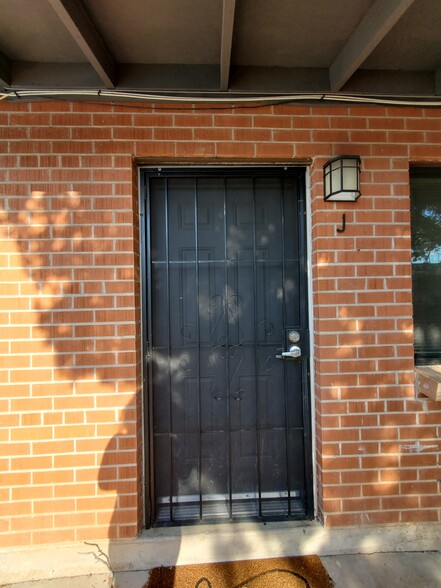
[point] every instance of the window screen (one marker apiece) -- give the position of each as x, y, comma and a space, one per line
426, 263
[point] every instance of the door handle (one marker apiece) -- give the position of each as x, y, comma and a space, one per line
293, 353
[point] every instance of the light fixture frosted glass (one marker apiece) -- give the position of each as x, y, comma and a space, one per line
341, 177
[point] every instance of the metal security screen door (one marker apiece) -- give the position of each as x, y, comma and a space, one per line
227, 345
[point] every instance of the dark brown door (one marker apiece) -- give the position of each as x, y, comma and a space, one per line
226, 297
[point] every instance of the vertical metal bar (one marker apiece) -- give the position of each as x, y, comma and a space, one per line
196, 255
256, 352
302, 253
303, 283
227, 353
148, 330
167, 261
284, 367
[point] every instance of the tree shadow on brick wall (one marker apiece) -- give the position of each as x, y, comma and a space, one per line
76, 267
82, 267
116, 470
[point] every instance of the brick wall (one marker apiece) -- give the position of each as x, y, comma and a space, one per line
71, 398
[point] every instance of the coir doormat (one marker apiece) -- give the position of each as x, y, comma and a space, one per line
284, 572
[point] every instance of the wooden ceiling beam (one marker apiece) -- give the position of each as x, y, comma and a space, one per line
79, 24
374, 26
228, 11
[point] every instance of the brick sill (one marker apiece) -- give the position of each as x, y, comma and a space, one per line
428, 381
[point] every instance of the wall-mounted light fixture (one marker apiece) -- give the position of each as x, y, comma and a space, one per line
341, 177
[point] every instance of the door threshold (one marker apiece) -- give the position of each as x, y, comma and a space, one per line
226, 528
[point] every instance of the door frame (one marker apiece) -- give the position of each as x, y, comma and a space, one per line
304, 228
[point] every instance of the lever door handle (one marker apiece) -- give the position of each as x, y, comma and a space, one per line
293, 353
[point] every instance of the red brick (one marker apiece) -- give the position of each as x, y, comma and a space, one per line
245, 150
50, 106
145, 120
225, 120
422, 516
409, 137
189, 120
91, 134
292, 136
217, 134
273, 122
173, 134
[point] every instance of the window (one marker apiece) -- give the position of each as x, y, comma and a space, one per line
425, 195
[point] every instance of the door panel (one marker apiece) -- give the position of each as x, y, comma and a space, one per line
230, 419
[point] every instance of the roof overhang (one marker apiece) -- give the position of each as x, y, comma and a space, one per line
222, 49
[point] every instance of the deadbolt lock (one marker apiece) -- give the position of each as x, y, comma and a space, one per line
294, 337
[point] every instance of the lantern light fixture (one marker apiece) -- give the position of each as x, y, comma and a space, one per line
341, 178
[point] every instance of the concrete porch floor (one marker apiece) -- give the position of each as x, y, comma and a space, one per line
365, 557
